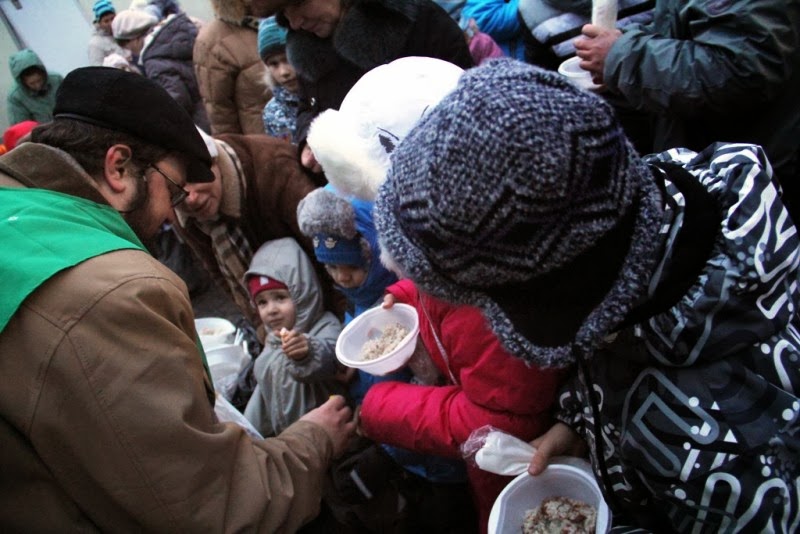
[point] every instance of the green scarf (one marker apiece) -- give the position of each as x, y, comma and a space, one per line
44, 232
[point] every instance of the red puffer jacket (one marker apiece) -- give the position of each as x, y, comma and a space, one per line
485, 386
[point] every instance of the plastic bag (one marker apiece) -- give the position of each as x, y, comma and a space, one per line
226, 413
497, 452
241, 390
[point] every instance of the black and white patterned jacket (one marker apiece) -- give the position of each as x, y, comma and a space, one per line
699, 416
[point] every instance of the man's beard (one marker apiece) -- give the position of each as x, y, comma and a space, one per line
138, 217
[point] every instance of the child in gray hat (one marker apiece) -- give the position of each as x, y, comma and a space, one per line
667, 283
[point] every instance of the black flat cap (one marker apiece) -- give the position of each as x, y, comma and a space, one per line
130, 103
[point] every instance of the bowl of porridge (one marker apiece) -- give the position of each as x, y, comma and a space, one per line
214, 331
379, 340
564, 498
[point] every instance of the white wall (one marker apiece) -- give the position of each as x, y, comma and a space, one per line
60, 35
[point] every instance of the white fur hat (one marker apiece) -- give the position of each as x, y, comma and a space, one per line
353, 144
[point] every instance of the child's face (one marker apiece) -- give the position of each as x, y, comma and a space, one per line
282, 72
33, 80
346, 276
104, 23
276, 309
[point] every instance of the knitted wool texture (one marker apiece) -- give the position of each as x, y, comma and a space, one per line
101, 7
512, 176
271, 38
330, 221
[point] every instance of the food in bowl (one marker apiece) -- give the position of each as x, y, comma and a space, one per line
213, 331
560, 515
390, 337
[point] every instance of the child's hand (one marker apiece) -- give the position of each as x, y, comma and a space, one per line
560, 440
388, 301
294, 344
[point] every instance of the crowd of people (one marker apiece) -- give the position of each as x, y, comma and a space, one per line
610, 273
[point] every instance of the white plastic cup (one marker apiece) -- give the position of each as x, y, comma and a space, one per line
572, 71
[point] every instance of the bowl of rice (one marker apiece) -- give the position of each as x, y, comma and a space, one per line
380, 340
214, 331
564, 498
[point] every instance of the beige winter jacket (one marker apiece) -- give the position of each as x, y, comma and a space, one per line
105, 423
231, 75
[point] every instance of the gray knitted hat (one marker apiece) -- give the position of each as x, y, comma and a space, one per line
520, 194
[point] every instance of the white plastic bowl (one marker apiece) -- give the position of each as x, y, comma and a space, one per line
214, 331
369, 325
571, 70
575, 481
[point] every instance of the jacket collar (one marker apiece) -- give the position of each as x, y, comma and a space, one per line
45, 167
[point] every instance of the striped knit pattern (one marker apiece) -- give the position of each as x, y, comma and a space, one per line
101, 7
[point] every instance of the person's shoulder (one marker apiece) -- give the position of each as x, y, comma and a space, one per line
328, 319
123, 274
180, 23
210, 31
15, 95
128, 265
259, 145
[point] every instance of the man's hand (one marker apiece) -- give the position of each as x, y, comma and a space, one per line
560, 440
593, 48
308, 160
336, 418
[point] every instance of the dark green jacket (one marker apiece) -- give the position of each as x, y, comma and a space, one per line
727, 70
24, 104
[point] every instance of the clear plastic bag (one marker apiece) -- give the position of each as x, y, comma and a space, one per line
496, 451
226, 413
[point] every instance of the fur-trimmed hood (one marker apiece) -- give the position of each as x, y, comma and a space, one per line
233, 11
370, 33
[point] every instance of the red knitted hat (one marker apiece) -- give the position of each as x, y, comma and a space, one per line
257, 284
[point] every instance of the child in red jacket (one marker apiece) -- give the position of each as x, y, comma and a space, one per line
475, 382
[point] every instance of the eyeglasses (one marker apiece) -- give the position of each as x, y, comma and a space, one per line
178, 194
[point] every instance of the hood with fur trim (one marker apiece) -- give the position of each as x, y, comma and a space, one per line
233, 11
